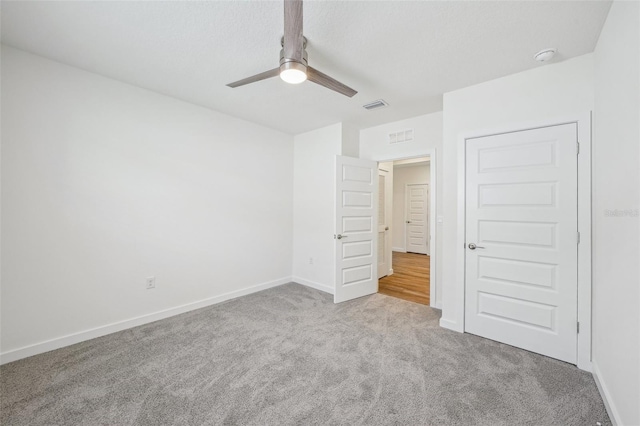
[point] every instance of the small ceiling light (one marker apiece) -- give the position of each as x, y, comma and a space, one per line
545, 55
293, 72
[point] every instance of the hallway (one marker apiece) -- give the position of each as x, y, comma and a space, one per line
410, 279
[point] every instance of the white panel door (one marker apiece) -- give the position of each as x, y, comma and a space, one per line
384, 219
521, 235
417, 224
356, 228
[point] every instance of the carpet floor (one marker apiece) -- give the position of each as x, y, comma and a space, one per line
288, 356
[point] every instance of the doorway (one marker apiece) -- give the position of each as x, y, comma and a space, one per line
410, 279
406, 207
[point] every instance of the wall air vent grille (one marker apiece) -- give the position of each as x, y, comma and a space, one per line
375, 104
401, 136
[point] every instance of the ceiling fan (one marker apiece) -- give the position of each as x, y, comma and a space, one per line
293, 56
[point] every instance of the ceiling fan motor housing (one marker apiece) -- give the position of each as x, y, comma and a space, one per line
287, 64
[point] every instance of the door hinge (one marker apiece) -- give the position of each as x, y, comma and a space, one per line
578, 238
578, 327
577, 147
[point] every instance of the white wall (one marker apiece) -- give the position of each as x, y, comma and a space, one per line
403, 176
374, 145
350, 140
313, 208
616, 238
549, 92
104, 184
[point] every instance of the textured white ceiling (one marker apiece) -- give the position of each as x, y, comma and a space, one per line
408, 53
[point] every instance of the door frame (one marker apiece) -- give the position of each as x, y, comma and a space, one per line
388, 212
433, 203
427, 214
583, 124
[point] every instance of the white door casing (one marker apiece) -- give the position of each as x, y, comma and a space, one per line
433, 243
356, 228
521, 282
384, 220
416, 221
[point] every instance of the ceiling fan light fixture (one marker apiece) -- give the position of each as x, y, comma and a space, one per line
293, 72
294, 67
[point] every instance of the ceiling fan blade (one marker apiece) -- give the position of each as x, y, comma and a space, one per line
262, 76
293, 41
328, 82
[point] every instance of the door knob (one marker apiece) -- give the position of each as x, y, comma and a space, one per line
340, 236
386, 228
408, 221
472, 246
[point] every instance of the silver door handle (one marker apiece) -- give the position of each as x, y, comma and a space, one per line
473, 246
340, 236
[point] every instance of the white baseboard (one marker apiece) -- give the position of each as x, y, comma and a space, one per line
451, 325
312, 284
585, 365
390, 272
71, 339
399, 249
606, 396
437, 305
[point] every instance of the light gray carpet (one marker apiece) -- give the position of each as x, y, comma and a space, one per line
290, 356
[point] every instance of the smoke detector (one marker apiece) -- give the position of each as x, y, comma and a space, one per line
545, 55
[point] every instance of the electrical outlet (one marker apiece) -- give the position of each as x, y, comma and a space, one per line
311, 261
151, 282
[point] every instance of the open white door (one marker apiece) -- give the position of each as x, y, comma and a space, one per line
356, 228
521, 235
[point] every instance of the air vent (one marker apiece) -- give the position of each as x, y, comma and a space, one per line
375, 104
401, 136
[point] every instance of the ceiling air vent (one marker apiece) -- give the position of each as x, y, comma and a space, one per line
401, 136
375, 104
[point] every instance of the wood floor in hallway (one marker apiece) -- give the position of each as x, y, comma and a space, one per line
410, 279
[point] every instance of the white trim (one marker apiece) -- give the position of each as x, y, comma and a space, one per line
71, 339
614, 416
438, 306
584, 248
450, 325
433, 218
583, 122
312, 284
433, 203
388, 213
390, 271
